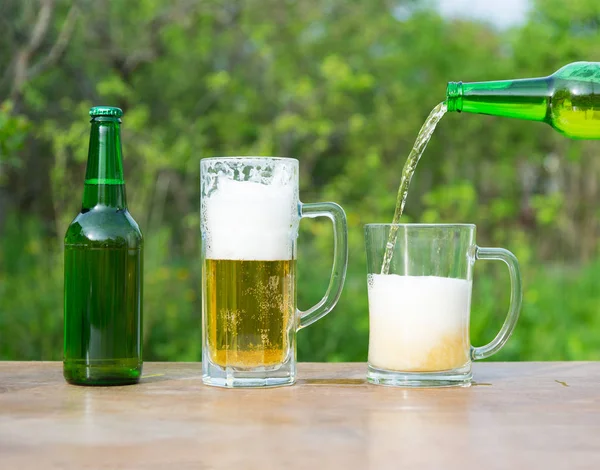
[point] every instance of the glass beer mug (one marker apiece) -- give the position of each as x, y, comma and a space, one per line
249, 217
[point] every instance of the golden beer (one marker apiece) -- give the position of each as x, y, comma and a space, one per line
250, 311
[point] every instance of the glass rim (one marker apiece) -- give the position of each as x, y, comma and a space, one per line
419, 225
249, 157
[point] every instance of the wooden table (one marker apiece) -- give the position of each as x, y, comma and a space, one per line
518, 416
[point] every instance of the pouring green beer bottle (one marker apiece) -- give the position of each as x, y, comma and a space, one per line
568, 100
103, 269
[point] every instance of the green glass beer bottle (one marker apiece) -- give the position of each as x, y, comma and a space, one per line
568, 100
103, 269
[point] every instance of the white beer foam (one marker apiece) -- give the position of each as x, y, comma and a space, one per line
411, 316
246, 220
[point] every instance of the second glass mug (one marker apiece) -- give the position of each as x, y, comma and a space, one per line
249, 216
420, 303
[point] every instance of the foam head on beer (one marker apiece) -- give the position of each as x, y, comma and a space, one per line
253, 219
418, 323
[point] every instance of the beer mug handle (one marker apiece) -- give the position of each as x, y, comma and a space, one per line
516, 296
336, 214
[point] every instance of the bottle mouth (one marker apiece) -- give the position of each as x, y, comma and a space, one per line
454, 94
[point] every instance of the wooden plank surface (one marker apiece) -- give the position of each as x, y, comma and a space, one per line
519, 416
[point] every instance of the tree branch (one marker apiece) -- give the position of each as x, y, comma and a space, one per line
59, 47
41, 25
38, 33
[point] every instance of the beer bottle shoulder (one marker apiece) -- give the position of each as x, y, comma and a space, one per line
104, 227
574, 106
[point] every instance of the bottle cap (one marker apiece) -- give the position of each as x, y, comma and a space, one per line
107, 111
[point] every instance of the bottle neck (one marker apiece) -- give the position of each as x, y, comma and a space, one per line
104, 182
522, 99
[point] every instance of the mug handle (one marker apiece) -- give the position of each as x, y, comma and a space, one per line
337, 216
516, 297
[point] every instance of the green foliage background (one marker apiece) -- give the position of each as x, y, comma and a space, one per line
341, 85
